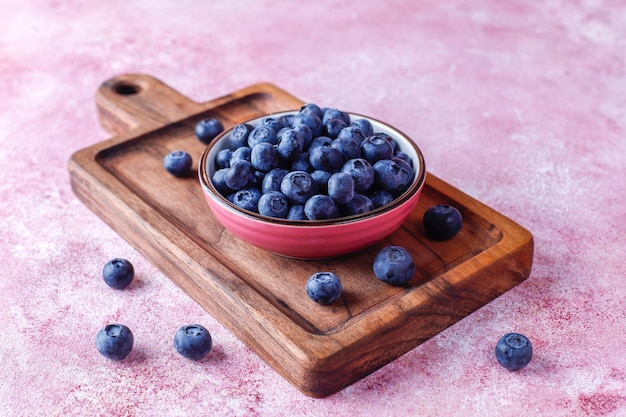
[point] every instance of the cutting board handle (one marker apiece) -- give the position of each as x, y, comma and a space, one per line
130, 101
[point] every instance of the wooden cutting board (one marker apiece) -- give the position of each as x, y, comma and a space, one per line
260, 296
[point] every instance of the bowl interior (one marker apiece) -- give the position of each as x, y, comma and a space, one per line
207, 169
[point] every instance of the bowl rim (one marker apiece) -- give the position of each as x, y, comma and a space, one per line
211, 191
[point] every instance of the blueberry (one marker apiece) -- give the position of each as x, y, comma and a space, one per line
348, 147
193, 341
272, 180
306, 133
286, 120
359, 204
364, 125
239, 175
219, 181
262, 134
395, 177
320, 141
361, 172
300, 162
290, 144
239, 135
296, 212
310, 120
320, 207
222, 159
207, 129
271, 122
273, 204
394, 265
333, 127
401, 155
247, 199
313, 109
298, 186
323, 287
341, 187
442, 222
332, 113
514, 351
376, 147
264, 157
352, 132
115, 341
118, 273
178, 163
321, 179
326, 158
243, 153
380, 198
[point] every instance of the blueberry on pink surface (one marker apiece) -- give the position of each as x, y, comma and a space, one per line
115, 341
514, 351
118, 273
193, 341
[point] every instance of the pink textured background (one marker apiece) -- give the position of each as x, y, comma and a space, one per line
520, 104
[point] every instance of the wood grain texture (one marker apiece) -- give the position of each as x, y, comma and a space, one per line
260, 296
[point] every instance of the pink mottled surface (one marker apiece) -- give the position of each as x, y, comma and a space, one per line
520, 104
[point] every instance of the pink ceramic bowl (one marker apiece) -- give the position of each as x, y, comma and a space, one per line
313, 239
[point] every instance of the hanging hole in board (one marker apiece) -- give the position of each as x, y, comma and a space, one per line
126, 89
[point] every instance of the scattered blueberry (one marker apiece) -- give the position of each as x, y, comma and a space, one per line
442, 222
394, 265
514, 351
323, 287
114, 341
193, 341
207, 129
178, 163
118, 273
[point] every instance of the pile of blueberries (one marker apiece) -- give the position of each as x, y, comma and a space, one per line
312, 164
